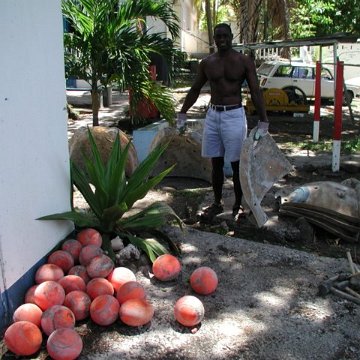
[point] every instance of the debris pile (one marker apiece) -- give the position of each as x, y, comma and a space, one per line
346, 286
334, 207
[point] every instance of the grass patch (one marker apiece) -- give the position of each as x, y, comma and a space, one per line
347, 147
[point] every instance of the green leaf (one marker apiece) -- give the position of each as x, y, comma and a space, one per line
81, 181
115, 171
154, 216
144, 188
174, 248
112, 215
141, 174
78, 218
150, 246
95, 165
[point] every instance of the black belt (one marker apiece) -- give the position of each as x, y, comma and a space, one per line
225, 107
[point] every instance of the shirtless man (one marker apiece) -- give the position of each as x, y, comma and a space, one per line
225, 125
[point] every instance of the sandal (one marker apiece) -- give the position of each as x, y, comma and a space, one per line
238, 213
208, 213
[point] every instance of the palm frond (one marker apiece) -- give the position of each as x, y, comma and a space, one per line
161, 9
162, 99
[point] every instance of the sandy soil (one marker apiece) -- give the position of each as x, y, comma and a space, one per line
265, 307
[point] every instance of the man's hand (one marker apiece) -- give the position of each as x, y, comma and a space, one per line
180, 121
262, 129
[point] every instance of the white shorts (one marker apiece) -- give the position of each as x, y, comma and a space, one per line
224, 133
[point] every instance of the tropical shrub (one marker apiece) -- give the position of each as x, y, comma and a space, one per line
107, 42
110, 195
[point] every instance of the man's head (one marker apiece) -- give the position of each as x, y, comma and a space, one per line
223, 36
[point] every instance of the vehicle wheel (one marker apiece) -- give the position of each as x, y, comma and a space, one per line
295, 95
349, 95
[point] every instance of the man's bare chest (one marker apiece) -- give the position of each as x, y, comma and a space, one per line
220, 70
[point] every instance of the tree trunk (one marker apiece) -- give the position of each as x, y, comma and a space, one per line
279, 10
214, 20
95, 103
249, 20
209, 25
107, 96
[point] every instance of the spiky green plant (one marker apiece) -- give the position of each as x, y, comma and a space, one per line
110, 195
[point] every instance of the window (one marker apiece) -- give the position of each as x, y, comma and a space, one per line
326, 74
302, 72
283, 71
265, 69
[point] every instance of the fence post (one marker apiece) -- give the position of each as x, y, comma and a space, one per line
339, 84
317, 105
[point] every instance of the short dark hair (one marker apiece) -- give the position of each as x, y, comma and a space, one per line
224, 25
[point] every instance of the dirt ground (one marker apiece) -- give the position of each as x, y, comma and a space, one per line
266, 305
291, 134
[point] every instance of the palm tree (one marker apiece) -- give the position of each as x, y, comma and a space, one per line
209, 22
261, 20
279, 16
109, 42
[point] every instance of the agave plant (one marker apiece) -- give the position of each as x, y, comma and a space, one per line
110, 195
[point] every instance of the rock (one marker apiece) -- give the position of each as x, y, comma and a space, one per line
104, 138
306, 229
117, 244
129, 252
185, 152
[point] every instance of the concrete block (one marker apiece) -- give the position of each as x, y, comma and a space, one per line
143, 137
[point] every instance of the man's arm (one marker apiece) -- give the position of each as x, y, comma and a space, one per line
256, 95
195, 89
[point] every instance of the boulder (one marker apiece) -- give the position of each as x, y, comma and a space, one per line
184, 151
104, 138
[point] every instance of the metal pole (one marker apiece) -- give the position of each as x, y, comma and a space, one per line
338, 116
317, 104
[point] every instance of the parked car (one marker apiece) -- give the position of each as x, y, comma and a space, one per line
300, 77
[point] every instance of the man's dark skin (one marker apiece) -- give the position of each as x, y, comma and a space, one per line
226, 70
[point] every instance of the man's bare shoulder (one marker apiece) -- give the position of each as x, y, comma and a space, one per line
209, 58
233, 54
241, 56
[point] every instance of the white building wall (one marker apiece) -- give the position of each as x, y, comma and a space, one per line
34, 176
192, 40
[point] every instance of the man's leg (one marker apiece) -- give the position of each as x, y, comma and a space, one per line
217, 177
237, 186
